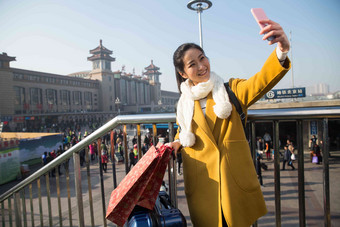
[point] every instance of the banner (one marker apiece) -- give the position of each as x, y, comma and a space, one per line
35, 147
298, 92
9, 165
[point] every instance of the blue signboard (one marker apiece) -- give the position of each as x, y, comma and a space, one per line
6, 118
298, 92
313, 128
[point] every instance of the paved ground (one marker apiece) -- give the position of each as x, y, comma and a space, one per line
313, 194
289, 196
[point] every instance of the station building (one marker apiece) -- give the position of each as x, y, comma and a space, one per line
31, 98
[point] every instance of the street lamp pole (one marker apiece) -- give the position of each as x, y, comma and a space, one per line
199, 6
117, 102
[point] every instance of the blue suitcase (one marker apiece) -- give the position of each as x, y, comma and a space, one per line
163, 215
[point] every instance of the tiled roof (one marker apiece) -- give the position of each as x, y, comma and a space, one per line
152, 66
5, 57
100, 49
101, 56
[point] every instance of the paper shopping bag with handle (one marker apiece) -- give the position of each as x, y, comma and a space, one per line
140, 186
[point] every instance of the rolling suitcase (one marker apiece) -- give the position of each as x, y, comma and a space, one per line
163, 215
264, 166
119, 158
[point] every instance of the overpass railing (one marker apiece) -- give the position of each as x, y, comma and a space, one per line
26, 197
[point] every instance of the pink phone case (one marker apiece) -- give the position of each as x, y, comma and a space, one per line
259, 14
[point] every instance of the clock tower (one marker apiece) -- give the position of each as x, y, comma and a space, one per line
101, 59
152, 73
101, 70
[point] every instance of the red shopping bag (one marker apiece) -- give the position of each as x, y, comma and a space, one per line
140, 186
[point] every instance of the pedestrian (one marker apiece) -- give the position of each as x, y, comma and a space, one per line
135, 152
286, 157
44, 158
92, 152
260, 146
53, 154
57, 155
267, 150
144, 149
121, 151
103, 146
317, 153
134, 140
267, 139
48, 160
147, 141
132, 159
60, 149
82, 157
79, 136
258, 166
292, 156
314, 139
119, 141
311, 150
104, 160
220, 180
289, 142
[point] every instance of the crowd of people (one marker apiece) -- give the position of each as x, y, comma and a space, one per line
288, 156
47, 157
101, 152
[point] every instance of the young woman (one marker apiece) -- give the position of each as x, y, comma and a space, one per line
221, 184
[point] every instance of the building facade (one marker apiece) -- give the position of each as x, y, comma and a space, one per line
29, 98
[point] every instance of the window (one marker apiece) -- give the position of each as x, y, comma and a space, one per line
65, 98
96, 64
77, 100
133, 92
107, 65
35, 96
87, 98
141, 93
19, 98
51, 97
18, 76
123, 85
33, 78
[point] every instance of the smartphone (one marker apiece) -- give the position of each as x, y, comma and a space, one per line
259, 14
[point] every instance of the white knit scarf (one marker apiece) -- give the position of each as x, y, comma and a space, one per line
185, 106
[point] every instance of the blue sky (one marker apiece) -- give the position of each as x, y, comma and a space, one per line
56, 36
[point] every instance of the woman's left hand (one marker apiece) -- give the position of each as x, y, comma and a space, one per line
275, 29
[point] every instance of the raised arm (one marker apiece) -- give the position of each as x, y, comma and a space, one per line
276, 66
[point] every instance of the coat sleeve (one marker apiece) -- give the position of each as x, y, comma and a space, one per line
251, 90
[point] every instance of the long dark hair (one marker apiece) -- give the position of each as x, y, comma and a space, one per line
178, 60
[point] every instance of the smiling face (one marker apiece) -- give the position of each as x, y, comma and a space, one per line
196, 66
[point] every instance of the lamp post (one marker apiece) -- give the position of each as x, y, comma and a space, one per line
199, 6
160, 105
117, 102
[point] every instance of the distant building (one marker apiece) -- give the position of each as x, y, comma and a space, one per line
318, 89
31, 98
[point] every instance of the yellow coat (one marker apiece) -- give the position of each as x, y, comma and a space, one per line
219, 173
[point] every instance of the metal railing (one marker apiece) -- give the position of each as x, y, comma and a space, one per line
18, 192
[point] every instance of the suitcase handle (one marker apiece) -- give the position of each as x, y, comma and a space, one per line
165, 201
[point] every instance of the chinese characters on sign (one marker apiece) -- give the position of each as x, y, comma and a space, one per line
298, 92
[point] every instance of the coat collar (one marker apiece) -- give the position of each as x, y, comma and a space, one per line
202, 121
209, 112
